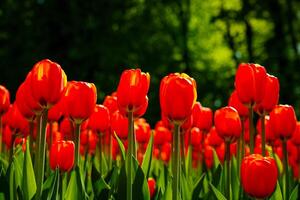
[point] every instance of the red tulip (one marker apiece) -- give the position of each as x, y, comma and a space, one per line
57, 111
271, 97
213, 138
4, 100
259, 175
152, 186
132, 90
81, 100
62, 155
66, 128
119, 125
296, 135
208, 156
228, 123
143, 131
111, 103
22, 96
196, 136
177, 96
166, 152
162, 135
235, 102
250, 83
47, 82
99, 121
283, 121
7, 136
203, 119
14, 119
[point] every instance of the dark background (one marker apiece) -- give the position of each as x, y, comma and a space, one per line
96, 40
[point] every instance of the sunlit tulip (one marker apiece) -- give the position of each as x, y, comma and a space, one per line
62, 155
235, 102
99, 121
4, 100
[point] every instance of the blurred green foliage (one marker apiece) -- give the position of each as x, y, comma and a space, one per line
96, 40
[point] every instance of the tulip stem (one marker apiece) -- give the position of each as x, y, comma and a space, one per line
263, 135
31, 129
100, 153
131, 152
251, 129
77, 144
37, 141
176, 161
227, 160
109, 151
285, 172
182, 152
41, 154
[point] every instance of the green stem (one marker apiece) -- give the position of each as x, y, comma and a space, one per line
11, 150
182, 159
77, 144
227, 160
41, 155
100, 152
37, 142
263, 135
31, 129
131, 151
285, 171
63, 184
176, 162
109, 152
251, 129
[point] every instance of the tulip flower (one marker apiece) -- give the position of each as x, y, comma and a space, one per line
235, 102
83, 97
62, 155
132, 101
99, 121
283, 122
4, 106
259, 176
143, 131
132, 90
81, 100
213, 138
110, 102
228, 125
119, 125
196, 136
178, 96
270, 136
296, 135
203, 119
250, 83
47, 82
152, 186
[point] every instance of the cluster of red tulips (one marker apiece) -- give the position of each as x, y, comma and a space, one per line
58, 143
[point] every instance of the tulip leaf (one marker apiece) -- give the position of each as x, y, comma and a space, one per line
54, 189
216, 192
4, 189
277, 195
49, 182
162, 178
197, 188
279, 163
122, 180
140, 188
121, 146
185, 187
168, 193
148, 157
294, 194
28, 175
216, 159
235, 182
99, 186
217, 173
75, 189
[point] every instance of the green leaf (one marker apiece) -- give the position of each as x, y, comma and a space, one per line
148, 157
75, 189
217, 173
168, 193
122, 148
28, 184
122, 181
99, 186
53, 192
162, 178
279, 163
217, 193
277, 195
294, 194
235, 182
140, 188
216, 159
197, 187
185, 187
